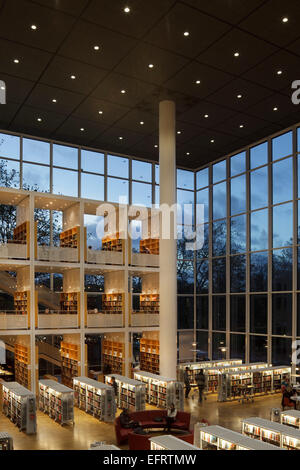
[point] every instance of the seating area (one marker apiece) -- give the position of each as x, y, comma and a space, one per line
142, 442
152, 419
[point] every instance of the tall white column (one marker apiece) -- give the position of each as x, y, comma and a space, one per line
168, 265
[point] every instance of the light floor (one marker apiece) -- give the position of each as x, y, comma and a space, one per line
52, 436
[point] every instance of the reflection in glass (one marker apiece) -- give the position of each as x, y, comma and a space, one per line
237, 313
219, 312
36, 178
237, 347
238, 195
259, 230
117, 166
283, 225
258, 349
141, 171
65, 182
238, 164
202, 178
203, 198
184, 234
92, 161
259, 314
157, 174
141, 194
202, 313
219, 275
9, 146
117, 189
185, 308
219, 171
203, 252
157, 196
218, 346
219, 201
36, 151
259, 188
283, 181
259, 155
259, 272
66, 157
237, 273
92, 187
238, 234
281, 351
185, 277
9, 174
186, 200
202, 346
202, 276
282, 146
219, 238
185, 179
282, 266
298, 315
282, 314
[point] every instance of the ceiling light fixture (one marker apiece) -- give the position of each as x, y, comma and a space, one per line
97, 48
236, 54
100, 112
279, 72
285, 19
212, 141
188, 154
241, 126
142, 123
54, 100
239, 96
33, 27
151, 66
120, 138
198, 82
127, 10
73, 77
275, 109
156, 146
123, 92
82, 129
16, 61
186, 34
178, 132
39, 119
206, 116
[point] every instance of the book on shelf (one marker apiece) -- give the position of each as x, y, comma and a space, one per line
149, 246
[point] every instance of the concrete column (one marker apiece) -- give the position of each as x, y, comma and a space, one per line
168, 265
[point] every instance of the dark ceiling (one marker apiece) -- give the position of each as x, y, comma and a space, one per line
151, 33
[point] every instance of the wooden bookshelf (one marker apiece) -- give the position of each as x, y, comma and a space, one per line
22, 303
149, 303
113, 354
113, 303
149, 246
149, 355
22, 365
70, 359
21, 236
71, 239
113, 243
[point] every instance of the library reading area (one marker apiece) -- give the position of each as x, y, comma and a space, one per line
149, 226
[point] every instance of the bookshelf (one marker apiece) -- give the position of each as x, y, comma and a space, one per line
21, 236
195, 367
22, 365
277, 434
95, 398
113, 243
6, 441
113, 303
169, 442
161, 391
149, 303
71, 239
19, 405
149, 355
131, 393
70, 362
149, 246
57, 401
113, 354
290, 418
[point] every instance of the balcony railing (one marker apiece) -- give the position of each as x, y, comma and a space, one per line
144, 319
54, 253
13, 251
10, 320
104, 320
56, 319
145, 260
104, 257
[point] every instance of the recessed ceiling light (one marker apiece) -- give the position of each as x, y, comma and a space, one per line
100, 112
285, 19
156, 146
188, 154
186, 33
127, 10
16, 61
97, 48
212, 141
178, 132
33, 27
206, 116
151, 66
39, 119
241, 126
236, 54
82, 129
142, 123
120, 138
198, 82
73, 77
275, 109
123, 92
239, 96
279, 72
54, 100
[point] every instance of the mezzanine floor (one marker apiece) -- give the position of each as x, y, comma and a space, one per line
51, 436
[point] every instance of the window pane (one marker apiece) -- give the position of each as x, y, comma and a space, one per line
92, 187
202, 178
283, 181
282, 264
92, 161
185, 313
219, 238
36, 151
259, 272
157, 195
298, 315
219, 312
237, 346
238, 195
65, 182
9, 174
66, 157
183, 238
202, 276
185, 179
9, 146
36, 178
202, 313
298, 267
203, 252
258, 349
283, 225
141, 171
202, 346
219, 201
238, 273
218, 346
282, 146
237, 313
117, 189
259, 230
238, 164
141, 194
203, 198
117, 166
219, 171
157, 171
259, 314
282, 314
281, 351
259, 155
238, 234
186, 200
185, 277
219, 275
259, 188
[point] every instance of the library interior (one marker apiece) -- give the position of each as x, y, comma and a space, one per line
149, 225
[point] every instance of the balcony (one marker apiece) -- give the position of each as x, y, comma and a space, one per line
144, 260
10, 320
56, 319
104, 320
104, 257
144, 319
54, 253
13, 251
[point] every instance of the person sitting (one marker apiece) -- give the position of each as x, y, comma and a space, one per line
286, 398
171, 417
126, 421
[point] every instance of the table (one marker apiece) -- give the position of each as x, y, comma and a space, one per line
297, 400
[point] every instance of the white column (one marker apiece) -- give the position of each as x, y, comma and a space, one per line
168, 267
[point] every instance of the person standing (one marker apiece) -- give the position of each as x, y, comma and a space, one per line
114, 386
171, 417
187, 383
200, 380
